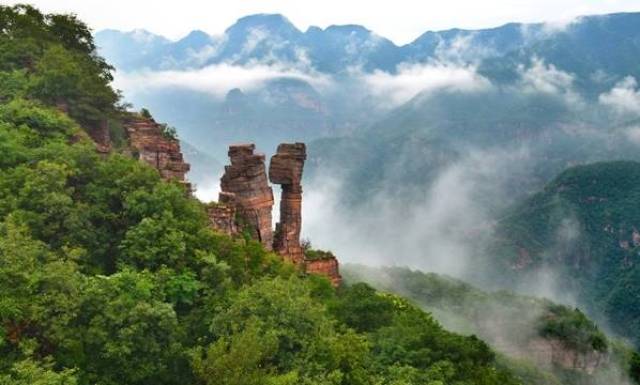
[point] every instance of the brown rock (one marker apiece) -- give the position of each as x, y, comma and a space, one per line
154, 148
246, 178
222, 215
101, 136
328, 267
286, 169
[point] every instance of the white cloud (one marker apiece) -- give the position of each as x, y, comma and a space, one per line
542, 77
412, 79
624, 97
546, 78
633, 134
463, 49
443, 230
216, 80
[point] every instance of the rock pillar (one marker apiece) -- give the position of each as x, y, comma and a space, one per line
246, 179
285, 169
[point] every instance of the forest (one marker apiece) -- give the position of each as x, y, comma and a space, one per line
110, 275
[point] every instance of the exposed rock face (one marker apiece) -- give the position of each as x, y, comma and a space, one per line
101, 137
153, 147
550, 352
246, 178
223, 214
285, 169
328, 267
247, 200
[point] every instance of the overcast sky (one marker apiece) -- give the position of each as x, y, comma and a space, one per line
400, 20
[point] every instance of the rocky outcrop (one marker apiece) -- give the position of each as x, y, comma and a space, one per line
222, 214
285, 169
152, 146
246, 178
246, 202
101, 136
552, 352
328, 267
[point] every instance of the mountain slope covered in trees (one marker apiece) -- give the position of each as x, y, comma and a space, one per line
524, 329
584, 226
110, 275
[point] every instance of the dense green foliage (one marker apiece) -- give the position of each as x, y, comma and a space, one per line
508, 321
109, 275
584, 225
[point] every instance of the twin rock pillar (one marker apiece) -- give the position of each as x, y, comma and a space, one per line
245, 183
246, 191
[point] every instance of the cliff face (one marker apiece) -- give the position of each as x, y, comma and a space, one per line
328, 267
552, 352
222, 214
101, 136
285, 169
153, 147
246, 179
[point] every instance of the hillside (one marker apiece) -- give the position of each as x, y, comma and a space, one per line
111, 273
542, 342
583, 227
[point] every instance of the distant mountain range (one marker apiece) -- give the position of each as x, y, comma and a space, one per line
593, 43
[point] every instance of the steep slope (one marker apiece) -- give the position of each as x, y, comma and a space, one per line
561, 344
583, 227
110, 273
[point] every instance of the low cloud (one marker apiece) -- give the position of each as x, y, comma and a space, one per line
412, 79
633, 134
443, 229
624, 97
208, 190
216, 80
546, 78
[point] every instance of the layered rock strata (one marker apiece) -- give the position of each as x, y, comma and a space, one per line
222, 214
246, 178
328, 267
286, 169
153, 147
246, 202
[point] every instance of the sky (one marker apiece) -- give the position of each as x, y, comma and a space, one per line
399, 20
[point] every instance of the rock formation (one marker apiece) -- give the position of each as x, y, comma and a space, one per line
223, 214
154, 147
285, 169
101, 136
328, 267
246, 178
246, 201
554, 353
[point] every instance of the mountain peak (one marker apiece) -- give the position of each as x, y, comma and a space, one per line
196, 38
269, 21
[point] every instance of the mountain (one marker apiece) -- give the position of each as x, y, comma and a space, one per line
271, 38
111, 272
342, 81
584, 228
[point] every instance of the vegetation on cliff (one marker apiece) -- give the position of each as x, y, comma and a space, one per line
534, 336
585, 226
110, 275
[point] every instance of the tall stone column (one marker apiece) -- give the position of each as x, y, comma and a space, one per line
286, 169
246, 178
